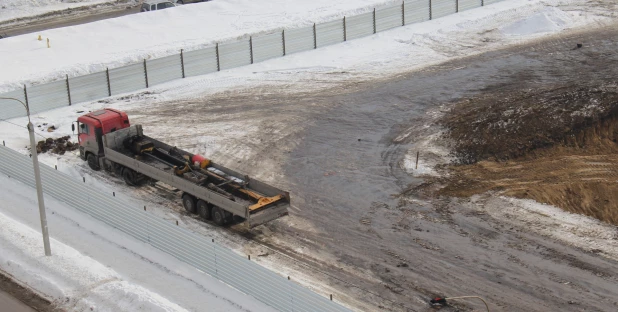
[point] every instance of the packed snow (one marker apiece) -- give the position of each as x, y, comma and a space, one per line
584, 232
145, 274
548, 20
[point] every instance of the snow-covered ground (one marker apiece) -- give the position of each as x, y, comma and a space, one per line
386, 54
92, 47
13, 9
82, 49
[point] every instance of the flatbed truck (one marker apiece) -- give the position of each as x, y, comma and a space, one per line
108, 141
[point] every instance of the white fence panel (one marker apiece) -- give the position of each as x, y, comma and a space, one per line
200, 62
468, 4
89, 87
388, 18
164, 69
48, 96
297, 40
359, 26
234, 54
267, 47
329, 33
416, 11
11, 108
128, 78
440, 8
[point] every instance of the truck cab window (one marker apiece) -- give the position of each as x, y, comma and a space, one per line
83, 128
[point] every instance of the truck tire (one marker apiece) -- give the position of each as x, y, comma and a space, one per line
188, 201
129, 176
218, 215
203, 210
93, 162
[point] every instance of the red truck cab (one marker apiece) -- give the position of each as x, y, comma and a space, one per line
91, 128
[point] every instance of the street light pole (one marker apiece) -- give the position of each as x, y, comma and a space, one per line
37, 178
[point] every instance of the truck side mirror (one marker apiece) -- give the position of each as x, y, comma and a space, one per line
82, 126
73, 127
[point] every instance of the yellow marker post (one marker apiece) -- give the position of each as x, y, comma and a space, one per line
48, 43
39, 38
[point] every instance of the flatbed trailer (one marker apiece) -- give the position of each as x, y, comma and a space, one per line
253, 201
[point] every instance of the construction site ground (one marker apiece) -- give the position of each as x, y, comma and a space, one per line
497, 134
382, 235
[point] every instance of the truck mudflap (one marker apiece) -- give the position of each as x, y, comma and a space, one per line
266, 215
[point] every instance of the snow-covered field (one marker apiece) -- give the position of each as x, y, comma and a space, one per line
82, 49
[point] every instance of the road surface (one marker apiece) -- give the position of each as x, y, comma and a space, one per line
63, 20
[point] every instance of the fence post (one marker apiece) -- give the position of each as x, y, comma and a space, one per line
345, 31
315, 38
182, 63
251, 48
283, 40
430, 13
374, 20
291, 294
109, 85
214, 247
403, 13
68, 90
146, 73
26, 95
217, 52
456, 6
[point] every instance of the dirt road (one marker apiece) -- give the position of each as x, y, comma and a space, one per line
378, 244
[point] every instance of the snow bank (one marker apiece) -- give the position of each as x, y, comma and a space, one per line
549, 20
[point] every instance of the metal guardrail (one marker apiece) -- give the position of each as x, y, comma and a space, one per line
227, 55
195, 249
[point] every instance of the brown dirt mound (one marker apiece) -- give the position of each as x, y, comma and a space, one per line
502, 127
556, 146
56, 146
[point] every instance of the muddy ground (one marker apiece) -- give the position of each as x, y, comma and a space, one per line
359, 220
557, 146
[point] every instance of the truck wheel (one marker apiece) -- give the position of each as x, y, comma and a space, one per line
129, 176
218, 215
203, 210
188, 202
93, 162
